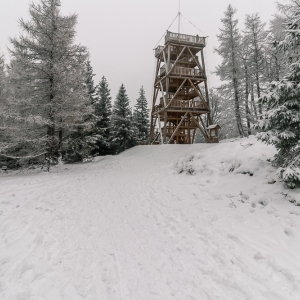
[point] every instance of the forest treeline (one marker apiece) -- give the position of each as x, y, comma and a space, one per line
260, 75
51, 110
50, 107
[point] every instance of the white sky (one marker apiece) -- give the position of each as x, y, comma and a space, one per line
120, 34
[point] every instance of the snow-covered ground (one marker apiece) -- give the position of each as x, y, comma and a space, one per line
154, 223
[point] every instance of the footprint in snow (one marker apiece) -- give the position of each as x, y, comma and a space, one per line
289, 232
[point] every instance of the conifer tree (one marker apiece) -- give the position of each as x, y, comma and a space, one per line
141, 116
255, 36
229, 70
91, 89
281, 121
103, 111
82, 141
3, 105
48, 73
123, 131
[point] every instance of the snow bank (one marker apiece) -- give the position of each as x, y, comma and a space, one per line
156, 222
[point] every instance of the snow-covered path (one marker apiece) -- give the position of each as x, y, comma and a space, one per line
129, 227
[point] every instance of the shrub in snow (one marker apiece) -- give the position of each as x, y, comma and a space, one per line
281, 121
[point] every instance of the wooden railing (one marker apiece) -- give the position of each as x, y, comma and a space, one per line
188, 104
158, 50
187, 71
182, 104
185, 38
182, 71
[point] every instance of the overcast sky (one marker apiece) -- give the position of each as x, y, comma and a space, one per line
121, 34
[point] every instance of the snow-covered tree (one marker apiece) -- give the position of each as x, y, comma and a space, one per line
275, 60
103, 111
91, 89
229, 70
281, 121
141, 116
48, 73
255, 36
123, 132
4, 130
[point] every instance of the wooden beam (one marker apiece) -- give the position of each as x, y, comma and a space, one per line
166, 62
206, 88
195, 59
204, 127
161, 136
177, 60
152, 128
178, 90
178, 126
165, 125
200, 95
194, 134
162, 93
201, 129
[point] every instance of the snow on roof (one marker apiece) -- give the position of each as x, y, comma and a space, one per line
213, 126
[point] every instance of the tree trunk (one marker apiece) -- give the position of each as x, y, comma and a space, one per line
253, 102
247, 110
235, 85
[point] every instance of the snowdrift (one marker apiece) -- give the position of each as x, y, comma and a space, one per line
156, 222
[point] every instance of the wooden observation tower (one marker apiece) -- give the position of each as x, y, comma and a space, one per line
180, 97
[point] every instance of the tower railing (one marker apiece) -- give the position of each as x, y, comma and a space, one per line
185, 38
182, 71
158, 50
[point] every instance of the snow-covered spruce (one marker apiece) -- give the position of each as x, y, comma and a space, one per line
141, 116
281, 121
47, 74
103, 111
123, 133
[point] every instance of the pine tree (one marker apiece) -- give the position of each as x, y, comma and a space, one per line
275, 56
255, 36
3, 105
82, 141
229, 70
281, 121
141, 116
103, 112
123, 132
48, 74
91, 89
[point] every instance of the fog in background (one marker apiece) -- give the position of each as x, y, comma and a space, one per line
121, 34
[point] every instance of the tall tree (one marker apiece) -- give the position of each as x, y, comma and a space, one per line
281, 121
229, 70
3, 105
245, 57
255, 36
48, 72
91, 89
141, 116
123, 132
103, 111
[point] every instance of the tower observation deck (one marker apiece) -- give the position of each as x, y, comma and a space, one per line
180, 97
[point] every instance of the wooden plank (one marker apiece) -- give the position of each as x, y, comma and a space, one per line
206, 87
200, 95
201, 129
178, 90
161, 136
166, 62
195, 59
178, 126
177, 60
162, 93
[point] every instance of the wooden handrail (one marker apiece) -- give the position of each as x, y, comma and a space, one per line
171, 36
